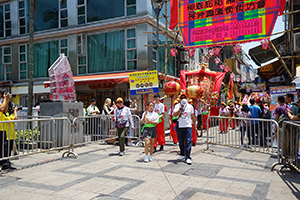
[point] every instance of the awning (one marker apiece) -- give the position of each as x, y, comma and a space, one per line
271, 70
112, 78
259, 56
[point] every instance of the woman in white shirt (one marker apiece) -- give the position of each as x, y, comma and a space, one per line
122, 119
150, 119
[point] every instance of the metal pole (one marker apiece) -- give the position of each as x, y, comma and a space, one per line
157, 50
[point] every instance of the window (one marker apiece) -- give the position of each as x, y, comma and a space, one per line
130, 7
45, 54
5, 69
106, 52
46, 15
131, 50
63, 44
63, 13
81, 12
81, 57
5, 23
22, 16
23, 62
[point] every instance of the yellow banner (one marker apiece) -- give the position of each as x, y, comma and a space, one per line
143, 82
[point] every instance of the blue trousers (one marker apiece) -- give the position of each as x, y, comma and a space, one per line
185, 141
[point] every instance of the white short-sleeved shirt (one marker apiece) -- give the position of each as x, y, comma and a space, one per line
159, 108
92, 108
185, 120
124, 114
153, 116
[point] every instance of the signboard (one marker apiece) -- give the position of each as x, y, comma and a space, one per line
144, 82
221, 22
280, 90
255, 87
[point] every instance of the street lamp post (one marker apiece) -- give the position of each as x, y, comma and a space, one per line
157, 6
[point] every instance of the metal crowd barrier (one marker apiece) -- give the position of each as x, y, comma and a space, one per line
95, 128
31, 136
289, 154
257, 134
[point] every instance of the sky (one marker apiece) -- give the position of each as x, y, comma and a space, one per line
279, 26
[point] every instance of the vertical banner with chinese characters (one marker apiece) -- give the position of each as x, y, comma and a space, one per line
221, 22
143, 82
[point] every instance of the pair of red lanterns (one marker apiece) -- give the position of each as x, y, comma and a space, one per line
172, 89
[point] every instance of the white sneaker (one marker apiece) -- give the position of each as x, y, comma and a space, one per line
121, 153
189, 161
180, 157
150, 158
146, 158
129, 144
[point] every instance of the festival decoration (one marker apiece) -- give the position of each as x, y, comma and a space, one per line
230, 90
194, 92
62, 86
227, 69
222, 66
172, 88
265, 45
237, 79
237, 49
215, 95
231, 76
217, 60
211, 52
173, 52
217, 51
242, 80
191, 52
226, 22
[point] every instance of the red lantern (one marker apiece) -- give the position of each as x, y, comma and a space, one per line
194, 92
172, 88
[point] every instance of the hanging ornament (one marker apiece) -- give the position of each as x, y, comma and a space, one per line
222, 66
211, 52
191, 52
173, 52
227, 69
242, 80
238, 79
217, 51
265, 45
237, 49
231, 76
217, 60
172, 88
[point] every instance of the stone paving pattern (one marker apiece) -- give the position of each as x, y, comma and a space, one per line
99, 173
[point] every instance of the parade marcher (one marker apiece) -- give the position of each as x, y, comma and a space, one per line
237, 108
185, 113
223, 112
123, 120
245, 124
150, 119
231, 110
159, 108
194, 130
205, 114
199, 118
173, 132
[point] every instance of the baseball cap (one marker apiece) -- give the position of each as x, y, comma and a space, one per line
119, 99
92, 100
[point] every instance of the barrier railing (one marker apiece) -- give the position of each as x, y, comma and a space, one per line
89, 129
244, 133
289, 154
31, 136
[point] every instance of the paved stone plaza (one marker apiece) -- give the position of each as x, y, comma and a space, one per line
99, 173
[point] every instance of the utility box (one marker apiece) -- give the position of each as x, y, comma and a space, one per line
61, 128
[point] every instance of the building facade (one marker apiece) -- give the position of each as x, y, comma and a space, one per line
97, 36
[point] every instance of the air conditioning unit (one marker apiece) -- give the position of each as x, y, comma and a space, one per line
184, 67
184, 56
297, 42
